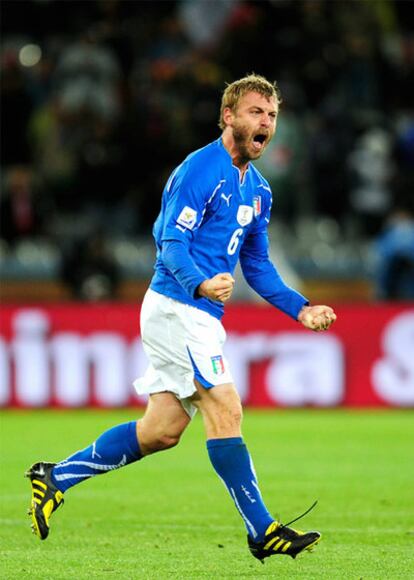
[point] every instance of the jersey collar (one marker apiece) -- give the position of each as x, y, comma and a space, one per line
241, 181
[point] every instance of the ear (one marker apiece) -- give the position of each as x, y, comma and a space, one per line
228, 116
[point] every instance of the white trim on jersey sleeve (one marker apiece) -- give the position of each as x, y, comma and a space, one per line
220, 184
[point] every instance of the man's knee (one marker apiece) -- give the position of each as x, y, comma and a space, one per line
162, 441
237, 412
221, 409
153, 438
162, 425
228, 412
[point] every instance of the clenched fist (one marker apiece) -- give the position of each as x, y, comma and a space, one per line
317, 317
220, 287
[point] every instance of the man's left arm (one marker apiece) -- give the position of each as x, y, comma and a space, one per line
263, 277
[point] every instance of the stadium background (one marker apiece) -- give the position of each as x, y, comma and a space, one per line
101, 99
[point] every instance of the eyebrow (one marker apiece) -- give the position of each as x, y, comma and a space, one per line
274, 111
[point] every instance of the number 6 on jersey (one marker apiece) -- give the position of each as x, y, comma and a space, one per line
234, 241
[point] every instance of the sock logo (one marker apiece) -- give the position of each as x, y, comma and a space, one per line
248, 494
94, 452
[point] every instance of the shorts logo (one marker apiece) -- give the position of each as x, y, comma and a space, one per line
218, 364
187, 218
244, 214
257, 205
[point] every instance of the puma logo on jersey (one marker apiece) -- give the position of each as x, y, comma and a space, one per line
227, 198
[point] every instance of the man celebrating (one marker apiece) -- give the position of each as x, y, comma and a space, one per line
215, 211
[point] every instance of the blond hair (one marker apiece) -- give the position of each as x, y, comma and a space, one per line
250, 83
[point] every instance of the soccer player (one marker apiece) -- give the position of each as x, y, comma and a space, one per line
215, 211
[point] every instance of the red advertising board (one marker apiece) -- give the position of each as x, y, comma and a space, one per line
73, 355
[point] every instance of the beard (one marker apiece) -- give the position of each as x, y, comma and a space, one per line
243, 138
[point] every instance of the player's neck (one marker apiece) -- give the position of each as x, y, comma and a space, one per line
238, 161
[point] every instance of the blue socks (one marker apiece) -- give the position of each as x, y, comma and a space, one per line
113, 449
233, 464
119, 446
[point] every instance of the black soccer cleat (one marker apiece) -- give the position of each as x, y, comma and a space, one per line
46, 497
279, 539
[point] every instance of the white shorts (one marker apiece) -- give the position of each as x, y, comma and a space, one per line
182, 343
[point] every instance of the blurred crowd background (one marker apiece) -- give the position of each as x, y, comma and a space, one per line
101, 99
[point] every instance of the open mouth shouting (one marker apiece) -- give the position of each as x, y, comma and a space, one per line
250, 143
259, 142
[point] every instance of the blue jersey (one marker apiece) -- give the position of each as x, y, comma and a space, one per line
219, 219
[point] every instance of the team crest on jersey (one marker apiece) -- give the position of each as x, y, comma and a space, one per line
187, 218
244, 214
218, 364
257, 205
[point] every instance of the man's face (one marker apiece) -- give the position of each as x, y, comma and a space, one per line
254, 124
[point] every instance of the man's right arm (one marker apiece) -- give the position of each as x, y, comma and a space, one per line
177, 258
220, 287
187, 194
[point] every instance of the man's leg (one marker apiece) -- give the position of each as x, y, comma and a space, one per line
162, 424
160, 428
221, 409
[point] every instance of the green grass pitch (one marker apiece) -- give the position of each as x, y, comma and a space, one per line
169, 516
